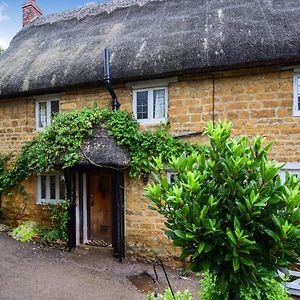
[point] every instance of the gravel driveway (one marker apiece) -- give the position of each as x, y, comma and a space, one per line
29, 271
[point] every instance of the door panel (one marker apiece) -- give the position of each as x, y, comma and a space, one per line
100, 204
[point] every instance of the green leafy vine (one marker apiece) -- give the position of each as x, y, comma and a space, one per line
60, 143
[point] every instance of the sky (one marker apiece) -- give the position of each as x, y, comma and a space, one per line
11, 14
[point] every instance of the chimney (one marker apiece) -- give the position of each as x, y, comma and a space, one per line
30, 11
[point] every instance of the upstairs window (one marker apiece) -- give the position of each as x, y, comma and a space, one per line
296, 104
44, 111
50, 188
150, 105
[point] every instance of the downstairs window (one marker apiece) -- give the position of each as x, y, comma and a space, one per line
293, 168
50, 188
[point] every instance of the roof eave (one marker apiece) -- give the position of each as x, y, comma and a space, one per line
276, 64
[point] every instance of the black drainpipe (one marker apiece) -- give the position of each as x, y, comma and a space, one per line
118, 196
213, 98
115, 104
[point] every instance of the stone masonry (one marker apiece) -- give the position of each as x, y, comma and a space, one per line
257, 102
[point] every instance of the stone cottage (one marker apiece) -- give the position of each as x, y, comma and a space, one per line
179, 61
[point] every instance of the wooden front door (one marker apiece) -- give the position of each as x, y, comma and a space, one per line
100, 200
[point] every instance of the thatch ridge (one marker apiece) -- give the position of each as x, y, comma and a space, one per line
89, 10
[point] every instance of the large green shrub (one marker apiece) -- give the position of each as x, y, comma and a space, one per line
229, 212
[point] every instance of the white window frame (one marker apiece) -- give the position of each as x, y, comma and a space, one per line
296, 111
48, 111
150, 119
170, 174
293, 168
47, 200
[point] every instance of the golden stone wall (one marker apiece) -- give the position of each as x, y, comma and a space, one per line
257, 102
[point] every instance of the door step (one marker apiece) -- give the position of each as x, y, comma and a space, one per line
91, 248
99, 243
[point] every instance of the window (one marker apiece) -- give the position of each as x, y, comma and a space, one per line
296, 104
44, 110
50, 188
150, 105
293, 168
172, 176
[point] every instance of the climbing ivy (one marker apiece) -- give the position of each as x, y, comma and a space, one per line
3, 165
60, 144
144, 145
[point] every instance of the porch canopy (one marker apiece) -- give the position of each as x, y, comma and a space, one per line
102, 150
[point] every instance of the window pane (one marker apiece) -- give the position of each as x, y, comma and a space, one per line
159, 101
299, 103
43, 187
62, 188
142, 105
172, 178
42, 114
52, 187
54, 107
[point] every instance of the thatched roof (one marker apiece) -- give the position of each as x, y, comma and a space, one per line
147, 39
102, 150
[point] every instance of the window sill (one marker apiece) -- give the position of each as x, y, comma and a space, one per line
48, 202
152, 122
40, 129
